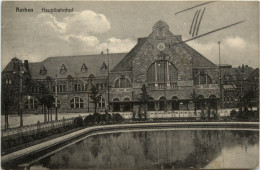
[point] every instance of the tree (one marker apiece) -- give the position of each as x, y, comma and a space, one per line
95, 97
48, 101
43, 100
195, 100
248, 98
143, 99
9, 97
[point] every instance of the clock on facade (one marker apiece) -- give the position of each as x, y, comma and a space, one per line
161, 46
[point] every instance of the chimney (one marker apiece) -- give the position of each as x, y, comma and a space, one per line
246, 65
102, 52
26, 65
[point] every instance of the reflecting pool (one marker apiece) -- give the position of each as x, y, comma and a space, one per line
159, 149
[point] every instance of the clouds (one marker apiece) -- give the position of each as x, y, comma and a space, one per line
116, 45
76, 34
86, 22
233, 49
235, 42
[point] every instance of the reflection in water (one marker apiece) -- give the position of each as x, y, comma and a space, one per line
160, 149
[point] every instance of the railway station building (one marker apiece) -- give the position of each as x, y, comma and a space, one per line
172, 71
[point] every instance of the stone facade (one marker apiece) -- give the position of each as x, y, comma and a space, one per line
171, 70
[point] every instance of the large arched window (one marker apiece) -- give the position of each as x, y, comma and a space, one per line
203, 79
31, 104
122, 83
76, 103
161, 72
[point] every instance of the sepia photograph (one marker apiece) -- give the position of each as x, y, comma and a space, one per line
129, 85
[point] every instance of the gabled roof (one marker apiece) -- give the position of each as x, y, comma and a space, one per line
126, 63
13, 65
73, 65
199, 61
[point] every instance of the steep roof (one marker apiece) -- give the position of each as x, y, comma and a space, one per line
73, 65
125, 63
199, 61
159, 31
13, 65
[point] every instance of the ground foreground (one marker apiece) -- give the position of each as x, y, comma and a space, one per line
29, 119
68, 139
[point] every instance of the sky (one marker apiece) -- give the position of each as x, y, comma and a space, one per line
93, 27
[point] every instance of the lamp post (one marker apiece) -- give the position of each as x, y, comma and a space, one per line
56, 98
108, 86
165, 85
91, 79
220, 78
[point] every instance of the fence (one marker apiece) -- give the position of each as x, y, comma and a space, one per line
35, 128
41, 127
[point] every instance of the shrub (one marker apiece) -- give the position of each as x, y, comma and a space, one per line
106, 117
117, 117
202, 115
97, 117
89, 120
233, 113
78, 122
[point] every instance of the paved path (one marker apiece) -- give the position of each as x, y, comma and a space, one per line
29, 119
70, 136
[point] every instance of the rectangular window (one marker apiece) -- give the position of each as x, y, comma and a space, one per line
78, 87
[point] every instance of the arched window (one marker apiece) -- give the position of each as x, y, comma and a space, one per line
151, 104
161, 72
31, 104
76, 103
162, 103
127, 105
116, 105
213, 101
175, 103
102, 102
203, 79
122, 83
201, 103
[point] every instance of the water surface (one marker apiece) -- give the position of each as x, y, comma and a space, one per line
160, 149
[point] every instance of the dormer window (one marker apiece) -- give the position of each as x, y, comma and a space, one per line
104, 66
84, 68
43, 70
63, 69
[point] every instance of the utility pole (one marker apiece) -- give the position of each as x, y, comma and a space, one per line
220, 78
108, 86
165, 85
56, 98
